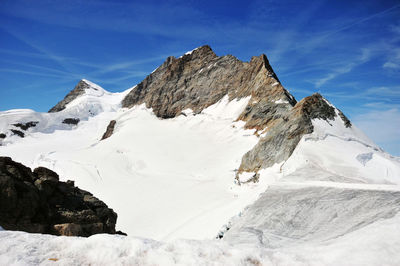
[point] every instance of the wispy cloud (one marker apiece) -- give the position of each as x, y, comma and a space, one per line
346, 68
393, 62
19, 71
374, 121
361, 20
384, 91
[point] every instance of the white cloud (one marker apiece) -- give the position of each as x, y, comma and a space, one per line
391, 65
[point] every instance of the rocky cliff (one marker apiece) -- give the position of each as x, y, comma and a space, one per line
201, 78
38, 202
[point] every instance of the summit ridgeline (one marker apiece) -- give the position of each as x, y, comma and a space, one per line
200, 79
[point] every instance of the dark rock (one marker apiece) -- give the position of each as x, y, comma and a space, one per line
121, 233
25, 126
18, 133
38, 202
72, 95
346, 121
2, 136
71, 121
109, 130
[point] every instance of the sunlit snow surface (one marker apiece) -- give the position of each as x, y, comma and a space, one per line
166, 179
335, 201
374, 244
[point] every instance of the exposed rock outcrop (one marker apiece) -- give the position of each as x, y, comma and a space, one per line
25, 126
3, 136
71, 121
72, 95
109, 130
17, 132
201, 78
283, 133
38, 202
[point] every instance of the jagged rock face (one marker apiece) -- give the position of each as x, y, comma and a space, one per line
284, 132
72, 95
109, 130
38, 202
201, 78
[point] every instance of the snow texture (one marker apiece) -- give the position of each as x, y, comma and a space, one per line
335, 201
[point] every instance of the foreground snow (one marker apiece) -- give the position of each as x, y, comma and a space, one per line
335, 201
375, 244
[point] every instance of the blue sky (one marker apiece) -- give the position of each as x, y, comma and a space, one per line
347, 50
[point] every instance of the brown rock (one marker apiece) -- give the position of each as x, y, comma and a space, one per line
200, 79
109, 130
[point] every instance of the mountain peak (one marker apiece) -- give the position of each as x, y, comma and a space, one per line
202, 51
200, 78
81, 88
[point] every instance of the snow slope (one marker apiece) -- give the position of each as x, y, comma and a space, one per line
335, 201
166, 179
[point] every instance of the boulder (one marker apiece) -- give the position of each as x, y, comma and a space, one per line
38, 202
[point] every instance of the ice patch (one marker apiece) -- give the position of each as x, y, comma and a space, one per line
363, 158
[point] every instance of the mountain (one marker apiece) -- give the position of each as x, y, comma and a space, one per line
210, 147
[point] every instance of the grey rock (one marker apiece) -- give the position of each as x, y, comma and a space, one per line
202, 78
285, 128
3, 136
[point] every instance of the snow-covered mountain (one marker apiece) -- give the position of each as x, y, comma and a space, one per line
212, 147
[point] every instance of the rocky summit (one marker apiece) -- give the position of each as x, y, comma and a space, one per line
72, 95
38, 202
200, 79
